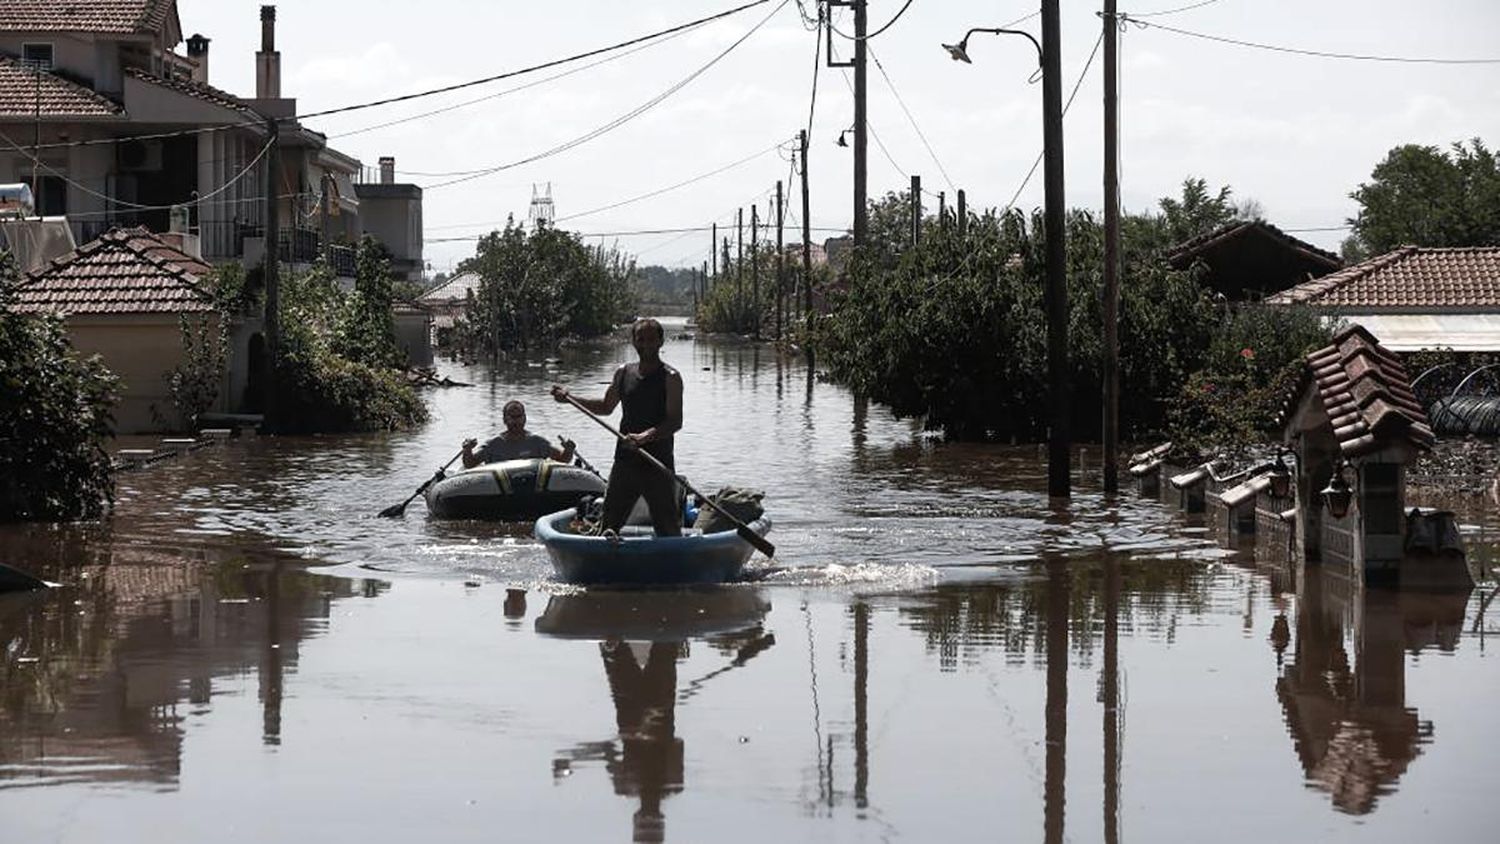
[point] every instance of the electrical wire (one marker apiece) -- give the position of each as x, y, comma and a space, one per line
910, 119
869, 35
659, 191
1197, 5
618, 121
1069, 104
868, 126
1302, 52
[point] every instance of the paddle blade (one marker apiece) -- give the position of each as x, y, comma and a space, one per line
395, 511
755, 539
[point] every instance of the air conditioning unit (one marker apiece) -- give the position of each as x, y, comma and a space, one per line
139, 156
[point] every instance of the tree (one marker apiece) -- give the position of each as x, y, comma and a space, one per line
1198, 211
367, 332
1423, 196
54, 418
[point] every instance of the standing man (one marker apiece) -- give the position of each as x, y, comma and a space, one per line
651, 392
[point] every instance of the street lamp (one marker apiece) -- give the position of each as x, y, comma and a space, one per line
1059, 483
1337, 495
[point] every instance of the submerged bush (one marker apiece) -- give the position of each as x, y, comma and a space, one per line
54, 418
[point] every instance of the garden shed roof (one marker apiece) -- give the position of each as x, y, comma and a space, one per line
1249, 258
124, 271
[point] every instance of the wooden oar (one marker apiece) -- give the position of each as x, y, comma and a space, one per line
15, 580
396, 510
750, 536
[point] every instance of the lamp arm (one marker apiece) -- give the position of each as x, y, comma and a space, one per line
995, 31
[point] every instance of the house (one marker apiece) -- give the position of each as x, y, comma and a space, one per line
124, 296
391, 212
1414, 297
1251, 258
112, 127
448, 302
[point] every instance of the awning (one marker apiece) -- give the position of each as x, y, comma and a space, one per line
1412, 332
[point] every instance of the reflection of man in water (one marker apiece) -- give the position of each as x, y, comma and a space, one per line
645, 712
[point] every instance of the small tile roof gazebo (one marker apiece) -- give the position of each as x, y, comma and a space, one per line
1354, 409
124, 271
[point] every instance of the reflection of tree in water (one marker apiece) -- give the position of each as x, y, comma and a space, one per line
963, 622
94, 671
1350, 725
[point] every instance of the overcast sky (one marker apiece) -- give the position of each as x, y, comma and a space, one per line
1295, 133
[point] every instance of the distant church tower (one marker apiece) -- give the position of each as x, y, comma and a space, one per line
541, 211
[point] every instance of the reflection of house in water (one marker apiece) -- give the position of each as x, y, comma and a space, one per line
1350, 724
95, 696
642, 637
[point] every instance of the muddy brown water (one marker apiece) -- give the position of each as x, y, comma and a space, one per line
244, 653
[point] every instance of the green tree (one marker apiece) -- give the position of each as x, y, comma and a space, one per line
366, 332
1423, 196
54, 418
1198, 211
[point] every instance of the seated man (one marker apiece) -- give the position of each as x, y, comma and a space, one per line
515, 442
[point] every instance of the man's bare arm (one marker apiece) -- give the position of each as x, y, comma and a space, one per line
602, 407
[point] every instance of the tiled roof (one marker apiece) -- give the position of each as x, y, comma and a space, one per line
22, 94
1366, 394
1184, 252
454, 289
124, 271
1409, 277
122, 17
198, 90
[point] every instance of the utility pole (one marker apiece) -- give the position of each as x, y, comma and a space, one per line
806, 251
755, 268
36, 141
739, 251
271, 270
713, 249
963, 215
703, 279
916, 211
943, 210
780, 253
1111, 427
861, 132
1059, 458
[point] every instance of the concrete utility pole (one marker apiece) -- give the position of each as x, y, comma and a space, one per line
861, 132
780, 253
271, 271
806, 235
963, 214
713, 249
755, 268
1111, 425
1059, 457
916, 210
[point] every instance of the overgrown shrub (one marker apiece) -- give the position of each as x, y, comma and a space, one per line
54, 418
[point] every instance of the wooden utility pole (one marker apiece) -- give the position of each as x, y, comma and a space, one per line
713, 249
271, 272
963, 215
1059, 457
1111, 425
755, 268
861, 131
703, 278
780, 253
943, 210
916, 211
739, 251
806, 237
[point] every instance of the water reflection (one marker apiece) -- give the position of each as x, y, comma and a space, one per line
97, 672
1353, 731
642, 636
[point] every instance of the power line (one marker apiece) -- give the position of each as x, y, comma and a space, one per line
1302, 52
890, 23
1076, 85
622, 119
910, 119
669, 188
868, 125
1197, 5
259, 121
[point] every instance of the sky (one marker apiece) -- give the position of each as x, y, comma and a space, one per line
1294, 133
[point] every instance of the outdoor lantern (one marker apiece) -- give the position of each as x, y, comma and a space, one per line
842, 135
1337, 494
1281, 478
960, 51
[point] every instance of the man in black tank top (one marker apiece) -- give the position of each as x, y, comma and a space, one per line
651, 393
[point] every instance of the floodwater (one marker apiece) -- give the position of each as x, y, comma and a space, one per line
245, 653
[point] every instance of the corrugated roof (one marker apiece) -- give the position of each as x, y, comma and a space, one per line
122, 17
197, 90
1409, 277
124, 271
1366, 393
23, 93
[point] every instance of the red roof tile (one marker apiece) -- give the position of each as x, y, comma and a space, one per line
124, 271
122, 17
22, 93
198, 90
1365, 392
1409, 277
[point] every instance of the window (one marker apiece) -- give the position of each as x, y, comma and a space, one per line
37, 55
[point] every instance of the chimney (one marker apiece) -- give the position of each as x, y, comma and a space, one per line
197, 47
268, 61
387, 169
